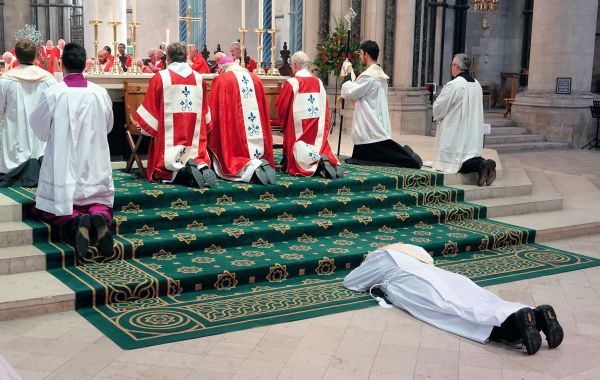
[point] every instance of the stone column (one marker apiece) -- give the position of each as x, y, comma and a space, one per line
373, 23
108, 10
311, 27
562, 45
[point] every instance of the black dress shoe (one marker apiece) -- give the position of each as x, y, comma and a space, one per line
482, 172
260, 176
490, 172
546, 321
339, 172
105, 238
209, 176
414, 156
325, 169
525, 322
269, 172
81, 240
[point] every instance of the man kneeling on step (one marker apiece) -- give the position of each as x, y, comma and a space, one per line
452, 302
75, 188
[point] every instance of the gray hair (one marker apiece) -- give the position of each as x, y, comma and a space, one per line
463, 61
177, 51
236, 44
301, 58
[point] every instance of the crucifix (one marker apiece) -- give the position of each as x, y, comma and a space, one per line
189, 19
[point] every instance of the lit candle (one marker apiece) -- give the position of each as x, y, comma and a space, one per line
261, 13
133, 11
273, 14
168, 32
96, 10
114, 17
243, 14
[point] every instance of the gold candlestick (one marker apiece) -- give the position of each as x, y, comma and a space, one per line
134, 69
243, 55
96, 68
273, 70
116, 67
259, 70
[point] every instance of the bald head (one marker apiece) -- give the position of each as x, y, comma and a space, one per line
103, 56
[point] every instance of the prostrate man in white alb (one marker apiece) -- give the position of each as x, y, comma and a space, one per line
20, 90
458, 111
371, 128
304, 115
452, 302
76, 190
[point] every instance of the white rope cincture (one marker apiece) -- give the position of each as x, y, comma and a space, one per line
380, 300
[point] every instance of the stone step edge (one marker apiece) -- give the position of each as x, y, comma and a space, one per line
21, 259
519, 205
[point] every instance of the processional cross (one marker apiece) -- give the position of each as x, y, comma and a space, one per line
189, 19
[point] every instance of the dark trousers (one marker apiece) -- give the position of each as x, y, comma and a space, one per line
382, 153
471, 165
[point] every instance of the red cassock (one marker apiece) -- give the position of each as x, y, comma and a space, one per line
304, 114
251, 66
107, 66
127, 60
199, 65
175, 114
241, 131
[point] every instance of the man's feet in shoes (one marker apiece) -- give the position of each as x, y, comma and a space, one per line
414, 156
269, 172
526, 325
339, 171
260, 176
546, 321
104, 240
325, 169
81, 234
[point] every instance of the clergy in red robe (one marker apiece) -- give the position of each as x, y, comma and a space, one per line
304, 114
175, 114
240, 141
199, 64
236, 52
104, 60
123, 58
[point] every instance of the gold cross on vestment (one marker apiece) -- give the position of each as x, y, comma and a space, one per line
189, 19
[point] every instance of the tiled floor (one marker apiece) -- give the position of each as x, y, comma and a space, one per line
372, 343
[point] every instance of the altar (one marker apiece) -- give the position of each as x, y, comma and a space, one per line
115, 85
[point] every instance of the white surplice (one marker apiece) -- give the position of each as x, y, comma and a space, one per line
371, 121
458, 111
443, 299
20, 90
76, 170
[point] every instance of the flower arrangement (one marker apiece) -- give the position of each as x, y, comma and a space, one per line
29, 32
331, 52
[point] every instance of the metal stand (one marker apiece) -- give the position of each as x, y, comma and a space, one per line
243, 31
595, 142
349, 16
134, 69
96, 68
273, 70
116, 68
259, 69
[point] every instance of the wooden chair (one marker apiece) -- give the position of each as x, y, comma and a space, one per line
508, 102
487, 95
134, 96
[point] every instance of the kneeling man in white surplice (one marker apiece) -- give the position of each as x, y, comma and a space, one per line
452, 302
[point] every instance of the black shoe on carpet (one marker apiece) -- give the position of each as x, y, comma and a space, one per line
325, 169
82, 235
269, 172
414, 156
490, 172
546, 321
339, 172
525, 321
191, 169
105, 238
260, 176
209, 176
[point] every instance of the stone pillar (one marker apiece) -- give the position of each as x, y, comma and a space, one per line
562, 45
373, 25
108, 10
310, 28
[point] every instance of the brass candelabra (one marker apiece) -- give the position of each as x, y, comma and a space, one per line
243, 31
273, 70
134, 69
259, 70
96, 68
116, 67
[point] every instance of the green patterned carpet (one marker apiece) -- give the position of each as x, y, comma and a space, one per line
196, 262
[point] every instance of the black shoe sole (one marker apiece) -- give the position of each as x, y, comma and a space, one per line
209, 177
269, 172
260, 176
490, 172
547, 322
325, 169
414, 156
525, 321
105, 238
81, 242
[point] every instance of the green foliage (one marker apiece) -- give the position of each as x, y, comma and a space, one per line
29, 32
331, 52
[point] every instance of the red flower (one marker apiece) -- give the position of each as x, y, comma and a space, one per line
343, 54
335, 55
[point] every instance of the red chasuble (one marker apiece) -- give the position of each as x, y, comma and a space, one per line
241, 130
304, 114
199, 65
175, 113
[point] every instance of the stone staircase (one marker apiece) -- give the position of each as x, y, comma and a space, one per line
522, 197
506, 137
